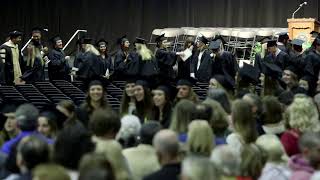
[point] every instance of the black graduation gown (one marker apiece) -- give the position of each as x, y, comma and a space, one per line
34, 73
119, 64
225, 64
257, 62
8, 72
203, 74
105, 63
282, 59
91, 67
312, 69
2, 74
166, 60
58, 67
298, 61
78, 61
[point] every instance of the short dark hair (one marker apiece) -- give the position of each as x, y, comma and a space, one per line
33, 151
103, 122
27, 116
203, 112
148, 130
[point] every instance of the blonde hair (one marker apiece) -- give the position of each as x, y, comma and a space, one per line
145, 53
303, 114
113, 152
219, 119
33, 53
272, 145
182, 116
92, 49
50, 172
200, 138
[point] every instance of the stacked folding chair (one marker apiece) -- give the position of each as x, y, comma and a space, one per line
33, 95
53, 93
10, 94
77, 95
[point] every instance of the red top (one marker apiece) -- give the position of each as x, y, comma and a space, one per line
289, 140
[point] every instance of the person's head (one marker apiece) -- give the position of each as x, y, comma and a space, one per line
31, 151
196, 168
203, 112
221, 82
124, 42
220, 96
303, 83
47, 124
15, 37
286, 98
128, 96
272, 110
57, 42
71, 144
102, 46
67, 108
148, 131
143, 50
129, 88
96, 91
226, 160
219, 119
161, 96
166, 145
185, 91
255, 101
113, 153
244, 123
271, 144
105, 123
283, 38
161, 41
289, 77
50, 171
36, 34
200, 138
202, 43
142, 91
129, 131
26, 116
272, 46
10, 125
182, 115
95, 166
303, 114
309, 144
214, 83
188, 43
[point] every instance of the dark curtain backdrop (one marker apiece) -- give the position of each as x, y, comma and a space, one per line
113, 18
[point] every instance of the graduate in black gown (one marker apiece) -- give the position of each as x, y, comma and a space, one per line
58, 67
276, 56
224, 62
34, 64
106, 67
79, 56
121, 57
36, 36
312, 67
291, 77
314, 36
297, 57
165, 59
184, 66
201, 65
283, 42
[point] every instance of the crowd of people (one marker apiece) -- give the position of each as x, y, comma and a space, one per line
257, 121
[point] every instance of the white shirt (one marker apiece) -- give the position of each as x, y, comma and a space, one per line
199, 59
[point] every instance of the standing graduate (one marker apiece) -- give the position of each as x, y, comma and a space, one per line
58, 67
184, 65
104, 59
35, 64
297, 57
13, 64
201, 65
36, 36
224, 62
165, 59
121, 57
283, 42
280, 58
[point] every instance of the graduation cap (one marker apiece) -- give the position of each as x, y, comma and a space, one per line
142, 83
140, 40
9, 108
160, 38
225, 80
297, 42
283, 35
203, 39
53, 113
271, 70
249, 73
165, 89
15, 34
293, 69
314, 34
36, 30
95, 83
55, 39
87, 40
215, 44
122, 39
101, 41
185, 82
271, 43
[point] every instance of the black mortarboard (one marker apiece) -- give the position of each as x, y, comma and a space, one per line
293, 69
249, 73
271, 43
9, 108
55, 39
283, 35
297, 42
101, 41
187, 82
271, 70
87, 40
160, 38
215, 44
225, 80
95, 82
53, 113
165, 89
314, 34
142, 83
204, 40
122, 39
14, 34
37, 30
140, 40
131, 80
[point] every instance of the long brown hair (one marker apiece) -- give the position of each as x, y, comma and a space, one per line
103, 102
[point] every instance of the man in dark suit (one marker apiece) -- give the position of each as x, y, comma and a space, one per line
167, 148
201, 65
277, 56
